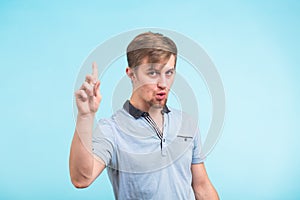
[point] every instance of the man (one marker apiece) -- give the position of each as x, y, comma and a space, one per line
150, 151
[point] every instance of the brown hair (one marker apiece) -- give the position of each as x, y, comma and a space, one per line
154, 47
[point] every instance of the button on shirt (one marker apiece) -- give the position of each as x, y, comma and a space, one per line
141, 163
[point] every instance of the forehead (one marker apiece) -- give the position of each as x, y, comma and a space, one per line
167, 64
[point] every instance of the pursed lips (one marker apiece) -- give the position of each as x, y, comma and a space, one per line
160, 95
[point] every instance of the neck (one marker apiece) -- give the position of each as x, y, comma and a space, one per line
154, 112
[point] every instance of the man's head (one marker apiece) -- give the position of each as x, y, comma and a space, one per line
151, 67
150, 47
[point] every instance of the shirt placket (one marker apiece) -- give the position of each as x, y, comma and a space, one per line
165, 132
161, 134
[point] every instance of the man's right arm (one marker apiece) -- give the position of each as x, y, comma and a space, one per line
84, 166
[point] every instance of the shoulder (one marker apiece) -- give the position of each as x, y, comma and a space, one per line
182, 116
110, 121
119, 119
179, 112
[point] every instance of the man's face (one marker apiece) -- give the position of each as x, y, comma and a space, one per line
152, 83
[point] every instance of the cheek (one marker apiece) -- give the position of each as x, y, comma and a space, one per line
148, 81
144, 83
170, 82
148, 89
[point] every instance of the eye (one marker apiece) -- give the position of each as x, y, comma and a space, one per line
152, 73
170, 72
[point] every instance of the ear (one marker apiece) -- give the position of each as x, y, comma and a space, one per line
130, 73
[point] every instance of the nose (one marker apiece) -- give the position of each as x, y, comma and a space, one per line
162, 82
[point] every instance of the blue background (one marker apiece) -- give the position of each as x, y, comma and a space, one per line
254, 45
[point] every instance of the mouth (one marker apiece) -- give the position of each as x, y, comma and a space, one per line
161, 95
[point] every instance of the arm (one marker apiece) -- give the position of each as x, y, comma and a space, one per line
84, 167
201, 184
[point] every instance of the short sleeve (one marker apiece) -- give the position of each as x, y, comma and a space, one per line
103, 140
197, 157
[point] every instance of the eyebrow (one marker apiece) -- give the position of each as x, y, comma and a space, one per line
150, 67
173, 68
153, 67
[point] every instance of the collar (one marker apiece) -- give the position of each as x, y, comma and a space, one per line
136, 113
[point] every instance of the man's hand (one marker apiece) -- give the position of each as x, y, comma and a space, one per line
88, 97
84, 167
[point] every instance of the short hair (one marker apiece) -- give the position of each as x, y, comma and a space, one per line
150, 47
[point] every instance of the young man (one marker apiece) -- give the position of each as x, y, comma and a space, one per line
150, 151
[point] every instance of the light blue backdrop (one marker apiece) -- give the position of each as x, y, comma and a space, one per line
254, 45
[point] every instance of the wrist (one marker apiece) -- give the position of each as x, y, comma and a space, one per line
87, 116
84, 124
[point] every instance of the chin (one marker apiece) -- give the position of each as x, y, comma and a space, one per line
158, 104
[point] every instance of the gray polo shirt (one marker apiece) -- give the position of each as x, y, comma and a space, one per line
143, 163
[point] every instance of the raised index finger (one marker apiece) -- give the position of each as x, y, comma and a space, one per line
95, 71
